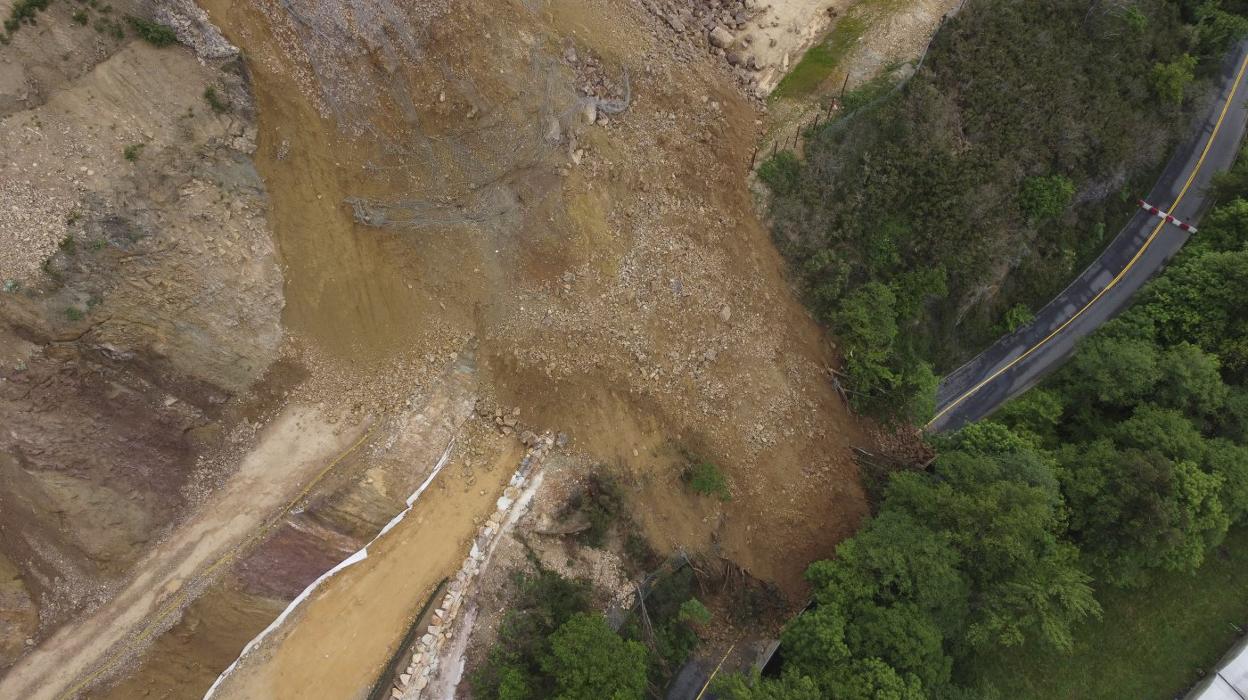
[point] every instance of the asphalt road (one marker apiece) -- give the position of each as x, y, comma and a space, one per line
1017, 361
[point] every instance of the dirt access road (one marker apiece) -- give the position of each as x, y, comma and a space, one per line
336, 643
293, 452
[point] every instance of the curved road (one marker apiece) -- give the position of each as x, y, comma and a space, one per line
1019, 360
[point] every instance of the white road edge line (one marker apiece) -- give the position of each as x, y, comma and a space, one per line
359, 556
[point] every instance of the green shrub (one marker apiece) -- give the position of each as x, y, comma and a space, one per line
1016, 317
215, 101
781, 173
110, 27
602, 503
705, 479
132, 152
694, 612
80, 17
73, 314
1045, 197
24, 12
153, 33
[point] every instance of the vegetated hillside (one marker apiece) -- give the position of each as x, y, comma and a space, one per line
934, 220
1129, 463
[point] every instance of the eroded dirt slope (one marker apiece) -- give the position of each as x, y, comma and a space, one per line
554, 187
141, 300
618, 262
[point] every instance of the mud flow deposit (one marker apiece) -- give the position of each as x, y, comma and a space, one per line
313, 311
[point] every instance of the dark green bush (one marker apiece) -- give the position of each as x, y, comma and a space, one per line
215, 101
153, 33
781, 173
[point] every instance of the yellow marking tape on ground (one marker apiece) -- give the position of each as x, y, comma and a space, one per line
1149, 241
718, 666
181, 597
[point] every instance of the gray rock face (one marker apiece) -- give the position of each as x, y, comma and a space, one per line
721, 38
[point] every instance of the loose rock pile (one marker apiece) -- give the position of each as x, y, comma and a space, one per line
719, 26
411, 683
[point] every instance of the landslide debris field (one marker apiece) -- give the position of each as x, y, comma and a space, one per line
268, 267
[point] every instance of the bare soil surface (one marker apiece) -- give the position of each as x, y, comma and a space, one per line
299, 443
553, 189
351, 625
617, 263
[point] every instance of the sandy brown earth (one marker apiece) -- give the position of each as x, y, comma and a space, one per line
637, 284
351, 623
140, 305
300, 442
556, 187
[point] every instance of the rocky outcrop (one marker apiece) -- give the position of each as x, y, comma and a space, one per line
139, 294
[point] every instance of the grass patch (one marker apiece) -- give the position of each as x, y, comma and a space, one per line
822, 59
1150, 643
706, 479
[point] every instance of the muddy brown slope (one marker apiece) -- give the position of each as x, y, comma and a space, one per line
141, 301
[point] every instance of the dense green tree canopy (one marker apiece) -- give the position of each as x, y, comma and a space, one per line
588, 660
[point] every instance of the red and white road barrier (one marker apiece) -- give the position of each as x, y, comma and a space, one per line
1166, 216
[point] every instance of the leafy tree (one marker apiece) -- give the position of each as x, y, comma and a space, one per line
1233, 422
790, 686
512, 670
515, 683
1034, 416
1114, 368
872, 679
867, 326
1204, 300
1025, 580
895, 558
1216, 28
1229, 462
1132, 510
1191, 381
1163, 430
1226, 227
588, 659
1171, 79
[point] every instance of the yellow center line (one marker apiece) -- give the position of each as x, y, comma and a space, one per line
180, 598
1148, 242
707, 684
